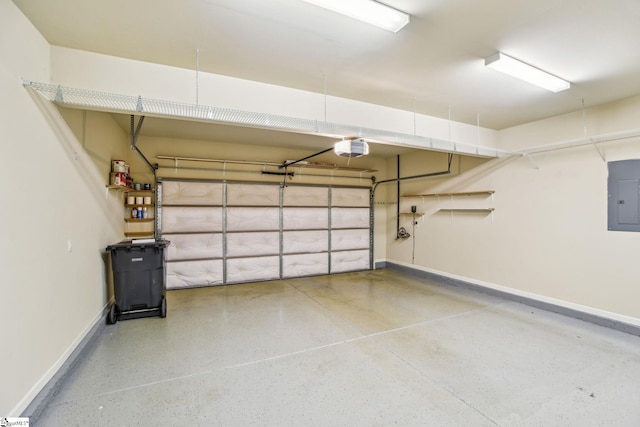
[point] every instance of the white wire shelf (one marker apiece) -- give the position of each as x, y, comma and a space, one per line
137, 105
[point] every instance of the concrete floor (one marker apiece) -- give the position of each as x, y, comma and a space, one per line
374, 348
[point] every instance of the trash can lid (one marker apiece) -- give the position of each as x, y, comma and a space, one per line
130, 243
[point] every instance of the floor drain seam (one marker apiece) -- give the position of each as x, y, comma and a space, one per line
333, 313
437, 383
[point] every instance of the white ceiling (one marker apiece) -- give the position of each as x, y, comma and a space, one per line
435, 65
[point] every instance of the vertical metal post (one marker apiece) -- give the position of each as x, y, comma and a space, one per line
224, 232
158, 209
329, 207
371, 220
281, 232
413, 236
397, 195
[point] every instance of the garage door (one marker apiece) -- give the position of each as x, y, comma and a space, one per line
231, 232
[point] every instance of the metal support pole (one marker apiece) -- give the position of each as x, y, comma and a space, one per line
134, 138
135, 134
224, 233
371, 221
329, 229
425, 175
373, 193
398, 197
413, 236
280, 232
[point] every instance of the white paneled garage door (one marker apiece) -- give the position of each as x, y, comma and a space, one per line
230, 232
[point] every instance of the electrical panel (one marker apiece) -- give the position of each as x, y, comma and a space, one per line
624, 195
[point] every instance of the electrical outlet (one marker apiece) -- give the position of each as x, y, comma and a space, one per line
69, 246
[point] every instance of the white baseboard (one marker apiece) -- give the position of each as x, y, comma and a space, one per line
564, 307
56, 368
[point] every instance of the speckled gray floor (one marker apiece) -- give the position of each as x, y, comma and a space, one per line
374, 348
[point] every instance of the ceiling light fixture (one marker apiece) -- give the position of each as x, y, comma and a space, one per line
368, 11
522, 71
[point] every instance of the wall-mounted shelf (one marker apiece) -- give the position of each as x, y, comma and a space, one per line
412, 213
128, 206
461, 193
118, 187
451, 195
127, 189
138, 219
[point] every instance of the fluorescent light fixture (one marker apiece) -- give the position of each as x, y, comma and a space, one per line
368, 11
351, 148
522, 71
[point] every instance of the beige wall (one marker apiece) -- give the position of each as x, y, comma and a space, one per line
606, 120
548, 235
53, 194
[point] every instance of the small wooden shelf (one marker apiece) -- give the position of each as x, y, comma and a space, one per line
128, 220
467, 209
127, 189
412, 213
461, 193
118, 187
138, 219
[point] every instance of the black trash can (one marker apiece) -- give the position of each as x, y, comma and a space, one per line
138, 279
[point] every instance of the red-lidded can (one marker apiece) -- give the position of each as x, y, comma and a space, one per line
118, 178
